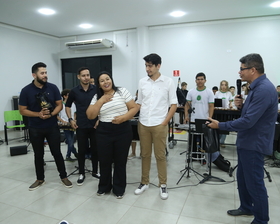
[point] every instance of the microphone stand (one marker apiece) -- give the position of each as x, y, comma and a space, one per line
188, 152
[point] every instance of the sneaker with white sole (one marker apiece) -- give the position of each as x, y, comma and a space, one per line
81, 179
141, 188
163, 191
36, 185
67, 183
131, 156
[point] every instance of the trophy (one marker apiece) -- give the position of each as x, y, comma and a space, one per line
43, 101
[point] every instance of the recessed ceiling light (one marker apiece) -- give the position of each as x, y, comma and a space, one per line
85, 25
177, 13
275, 4
46, 11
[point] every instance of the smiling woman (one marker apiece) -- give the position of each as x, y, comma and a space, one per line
115, 106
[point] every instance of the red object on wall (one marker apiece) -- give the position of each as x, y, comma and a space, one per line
176, 73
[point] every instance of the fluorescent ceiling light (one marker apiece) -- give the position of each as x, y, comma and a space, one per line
275, 4
46, 11
85, 25
177, 13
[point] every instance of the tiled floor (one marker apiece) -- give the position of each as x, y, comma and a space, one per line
188, 202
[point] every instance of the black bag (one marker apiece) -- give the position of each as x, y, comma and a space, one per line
211, 138
222, 163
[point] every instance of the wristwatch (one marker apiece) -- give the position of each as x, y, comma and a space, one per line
70, 119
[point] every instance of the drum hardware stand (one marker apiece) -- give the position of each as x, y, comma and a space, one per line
77, 169
188, 151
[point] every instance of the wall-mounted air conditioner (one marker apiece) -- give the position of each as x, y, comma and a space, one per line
86, 44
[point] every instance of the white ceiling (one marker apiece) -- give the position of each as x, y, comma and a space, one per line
110, 15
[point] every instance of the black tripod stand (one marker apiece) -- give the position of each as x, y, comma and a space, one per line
189, 149
77, 169
211, 137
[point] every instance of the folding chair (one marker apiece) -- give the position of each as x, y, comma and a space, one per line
13, 116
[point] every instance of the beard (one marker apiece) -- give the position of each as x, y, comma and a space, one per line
41, 81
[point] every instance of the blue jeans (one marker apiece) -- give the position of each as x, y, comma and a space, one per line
222, 138
37, 137
251, 187
69, 135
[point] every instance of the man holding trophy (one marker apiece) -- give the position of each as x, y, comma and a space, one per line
40, 101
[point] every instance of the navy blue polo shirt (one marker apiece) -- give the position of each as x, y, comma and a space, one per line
28, 98
82, 100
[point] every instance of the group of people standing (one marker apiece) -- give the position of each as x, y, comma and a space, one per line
111, 135
101, 122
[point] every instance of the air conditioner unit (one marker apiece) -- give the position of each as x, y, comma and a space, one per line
86, 44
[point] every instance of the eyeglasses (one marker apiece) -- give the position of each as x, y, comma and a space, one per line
241, 69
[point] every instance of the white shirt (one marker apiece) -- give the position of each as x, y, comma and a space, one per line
155, 98
200, 100
115, 107
226, 98
63, 115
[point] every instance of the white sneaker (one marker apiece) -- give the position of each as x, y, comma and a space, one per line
141, 189
163, 192
131, 156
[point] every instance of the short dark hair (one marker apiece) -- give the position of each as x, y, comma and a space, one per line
200, 74
65, 92
184, 84
232, 87
38, 65
82, 69
253, 60
153, 58
99, 90
215, 88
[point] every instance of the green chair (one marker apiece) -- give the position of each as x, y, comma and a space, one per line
16, 121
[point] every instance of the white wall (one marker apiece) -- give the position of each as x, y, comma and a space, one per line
211, 47
216, 47
19, 50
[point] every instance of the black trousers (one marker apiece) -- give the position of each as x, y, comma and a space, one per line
85, 135
113, 142
37, 137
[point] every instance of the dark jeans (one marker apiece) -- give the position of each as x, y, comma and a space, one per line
251, 187
37, 136
113, 142
69, 136
83, 136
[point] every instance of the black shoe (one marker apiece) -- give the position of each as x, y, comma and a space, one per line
101, 193
238, 212
68, 158
81, 179
96, 175
119, 196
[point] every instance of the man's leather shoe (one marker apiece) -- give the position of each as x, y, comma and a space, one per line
238, 212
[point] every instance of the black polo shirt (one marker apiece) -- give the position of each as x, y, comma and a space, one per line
82, 100
28, 98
